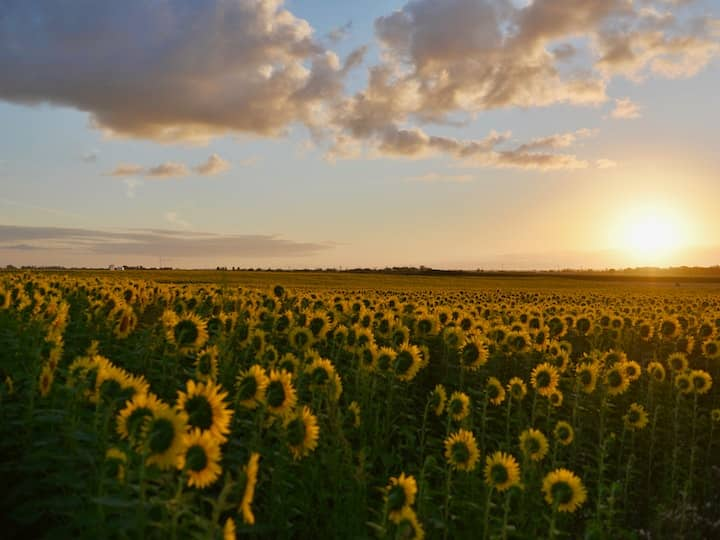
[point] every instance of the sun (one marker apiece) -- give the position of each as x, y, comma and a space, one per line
652, 235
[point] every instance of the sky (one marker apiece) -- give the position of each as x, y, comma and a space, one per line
495, 134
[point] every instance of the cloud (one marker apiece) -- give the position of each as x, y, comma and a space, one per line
191, 70
494, 150
605, 164
168, 169
625, 109
168, 71
214, 165
433, 177
127, 169
173, 218
463, 57
131, 185
154, 243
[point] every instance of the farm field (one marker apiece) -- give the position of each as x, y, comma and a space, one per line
298, 405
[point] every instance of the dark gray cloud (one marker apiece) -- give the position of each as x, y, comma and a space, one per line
163, 243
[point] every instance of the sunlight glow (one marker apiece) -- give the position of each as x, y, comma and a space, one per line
651, 236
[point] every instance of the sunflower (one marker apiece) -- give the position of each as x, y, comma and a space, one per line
319, 324
251, 474
280, 395
616, 381
115, 460
408, 525
556, 398
188, 332
354, 418
367, 356
400, 493
384, 359
473, 353
132, 418
534, 444
125, 322
324, 377
564, 490
656, 371
563, 433
495, 391
229, 529
701, 381
636, 418
200, 458
288, 361
501, 471
684, 383
711, 349
407, 362
46, 379
251, 385
458, 406
678, 362
632, 370
669, 328
300, 338
586, 375
205, 408
517, 388
544, 378
163, 436
715, 415
206, 364
438, 399
453, 337
461, 450
302, 432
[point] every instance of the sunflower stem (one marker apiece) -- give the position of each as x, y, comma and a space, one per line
486, 518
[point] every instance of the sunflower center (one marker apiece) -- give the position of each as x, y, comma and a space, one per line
493, 391
296, 430
316, 325
470, 353
499, 474
185, 332
301, 339
562, 493
424, 326
196, 458
320, 375
614, 378
383, 362
204, 365
403, 362
456, 407
543, 379
532, 445
396, 498
162, 433
200, 413
460, 452
275, 394
247, 388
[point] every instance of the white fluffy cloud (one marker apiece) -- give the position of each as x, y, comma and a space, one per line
168, 70
190, 70
625, 109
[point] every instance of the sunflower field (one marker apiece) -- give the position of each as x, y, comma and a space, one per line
135, 409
